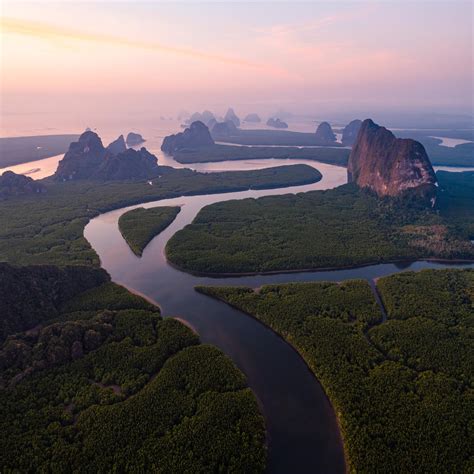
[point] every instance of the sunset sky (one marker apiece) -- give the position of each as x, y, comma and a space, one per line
275, 54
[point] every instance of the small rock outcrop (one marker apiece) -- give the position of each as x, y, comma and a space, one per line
131, 164
13, 184
349, 134
195, 136
88, 159
134, 139
276, 123
324, 134
388, 165
232, 117
223, 128
252, 118
117, 146
206, 118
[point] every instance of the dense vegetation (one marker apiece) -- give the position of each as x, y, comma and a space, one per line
333, 156
106, 384
34, 295
459, 155
402, 388
139, 226
272, 137
16, 150
334, 228
49, 228
456, 201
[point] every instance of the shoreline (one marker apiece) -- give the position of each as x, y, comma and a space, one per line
300, 354
260, 158
311, 270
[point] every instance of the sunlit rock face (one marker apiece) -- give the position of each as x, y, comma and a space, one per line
388, 165
196, 135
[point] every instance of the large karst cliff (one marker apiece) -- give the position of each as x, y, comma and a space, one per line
388, 165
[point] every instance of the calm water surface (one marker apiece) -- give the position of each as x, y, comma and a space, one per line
301, 424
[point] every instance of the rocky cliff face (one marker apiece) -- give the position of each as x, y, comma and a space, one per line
324, 134
117, 146
131, 164
195, 136
88, 159
232, 117
12, 184
82, 159
223, 128
350, 132
388, 165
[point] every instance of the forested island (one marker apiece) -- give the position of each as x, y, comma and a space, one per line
139, 226
101, 380
401, 386
336, 228
49, 229
217, 152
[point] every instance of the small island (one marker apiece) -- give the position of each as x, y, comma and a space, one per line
252, 118
139, 226
134, 139
276, 123
324, 134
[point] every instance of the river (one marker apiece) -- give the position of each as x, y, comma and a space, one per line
302, 428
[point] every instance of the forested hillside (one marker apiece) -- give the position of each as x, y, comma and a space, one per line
104, 382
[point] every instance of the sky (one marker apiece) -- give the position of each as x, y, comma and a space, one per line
255, 56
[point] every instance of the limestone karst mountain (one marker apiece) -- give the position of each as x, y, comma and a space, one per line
388, 165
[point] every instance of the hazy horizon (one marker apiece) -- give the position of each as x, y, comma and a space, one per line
83, 61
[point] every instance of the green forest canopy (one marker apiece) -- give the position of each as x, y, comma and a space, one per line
402, 388
340, 227
107, 384
139, 226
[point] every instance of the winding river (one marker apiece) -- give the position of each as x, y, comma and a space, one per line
302, 428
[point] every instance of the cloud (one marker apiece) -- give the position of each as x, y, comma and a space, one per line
55, 33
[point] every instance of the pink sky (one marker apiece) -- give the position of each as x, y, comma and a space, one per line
252, 56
